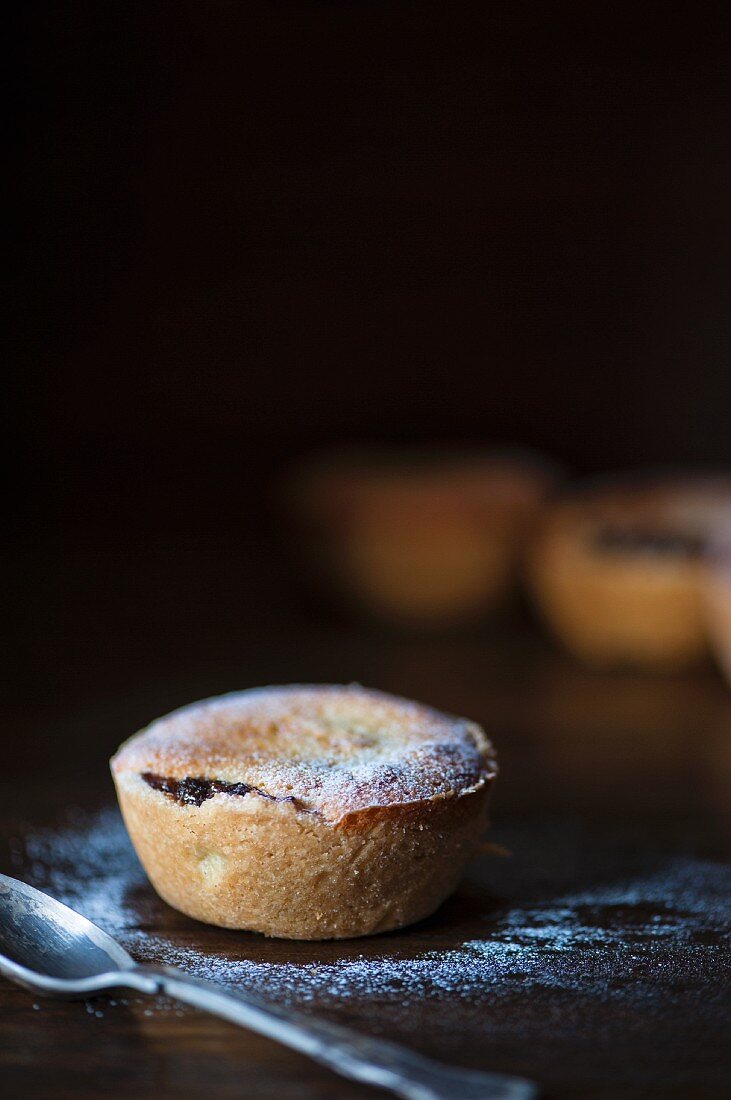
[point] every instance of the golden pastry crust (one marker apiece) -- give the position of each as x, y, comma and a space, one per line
617, 570
305, 812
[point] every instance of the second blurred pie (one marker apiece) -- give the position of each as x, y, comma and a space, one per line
617, 569
717, 594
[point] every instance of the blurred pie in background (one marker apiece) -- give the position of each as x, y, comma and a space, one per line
419, 540
617, 569
717, 595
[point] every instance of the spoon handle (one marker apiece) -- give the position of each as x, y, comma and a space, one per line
372, 1061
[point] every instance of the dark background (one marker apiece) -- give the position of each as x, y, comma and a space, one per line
248, 230
252, 229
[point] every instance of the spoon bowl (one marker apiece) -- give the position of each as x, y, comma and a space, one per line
44, 942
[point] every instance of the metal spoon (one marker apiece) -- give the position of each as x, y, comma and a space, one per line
50, 949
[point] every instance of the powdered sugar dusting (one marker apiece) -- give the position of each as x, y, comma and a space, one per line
639, 942
336, 750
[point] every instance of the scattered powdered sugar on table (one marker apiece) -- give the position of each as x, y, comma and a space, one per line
646, 939
88, 864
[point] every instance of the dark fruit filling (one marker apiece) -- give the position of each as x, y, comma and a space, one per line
193, 791
636, 540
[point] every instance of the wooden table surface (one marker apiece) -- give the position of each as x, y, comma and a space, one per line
590, 959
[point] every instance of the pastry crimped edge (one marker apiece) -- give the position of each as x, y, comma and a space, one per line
288, 866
